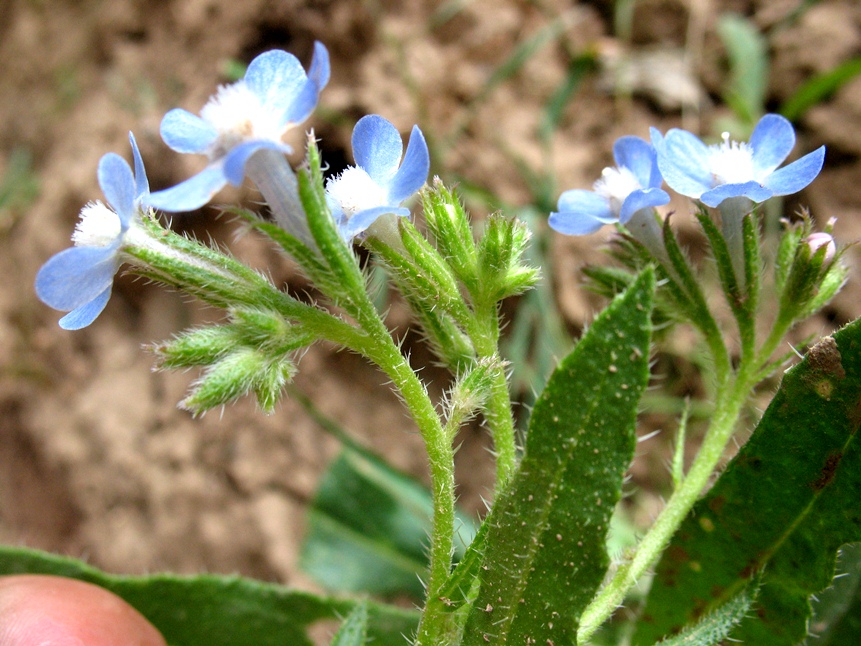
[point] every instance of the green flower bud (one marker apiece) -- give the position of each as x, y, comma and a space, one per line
448, 222
500, 254
243, 371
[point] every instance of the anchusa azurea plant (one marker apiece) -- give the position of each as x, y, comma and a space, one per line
742, 561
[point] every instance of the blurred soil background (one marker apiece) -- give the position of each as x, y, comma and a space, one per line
519, 99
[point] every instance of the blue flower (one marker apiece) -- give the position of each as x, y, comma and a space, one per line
379, 182
240, 119
79, 280
731, 169
633, 186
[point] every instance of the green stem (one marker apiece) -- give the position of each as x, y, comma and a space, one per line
727, 411
441, 461
382, 350
485, 339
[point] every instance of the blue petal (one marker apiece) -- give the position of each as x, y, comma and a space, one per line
752, 190
186, 132
318, 76
647, 198
192, 193
581, 212
377, 148
588, 203
234, 161
276, 78
319, 71
85, 314
574, 224
75, 276
414, 170
637, 155
118, 185
363, 219
797, 175
684, 162
655, 179
772, 141
141, 182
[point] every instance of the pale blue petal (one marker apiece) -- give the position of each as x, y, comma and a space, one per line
192, 193
276, 78
588, 203
234, 161
319, 71
377, 148
647, 198
186, 132
797, 175
684, 162
75, 276
772, 141
118, 185
82, 316
637, 155
752, 190
574, 224
306, 99
352, 227
657, 139
414, 170
581, 212
141, 182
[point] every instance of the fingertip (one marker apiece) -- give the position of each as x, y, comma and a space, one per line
41, 609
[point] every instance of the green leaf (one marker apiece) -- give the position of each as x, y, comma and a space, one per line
786, 503
714, 627
354, 630
819, 88
368, 528
546, 553
218, 610
748, 59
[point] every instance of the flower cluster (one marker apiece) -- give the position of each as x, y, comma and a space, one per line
733, 169
710, 174
241, 120
732, 177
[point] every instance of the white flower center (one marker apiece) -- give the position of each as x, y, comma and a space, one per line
237, 115
616, 184
99, 226
355, 191
731, 162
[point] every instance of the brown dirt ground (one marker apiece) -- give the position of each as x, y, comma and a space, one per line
95, 458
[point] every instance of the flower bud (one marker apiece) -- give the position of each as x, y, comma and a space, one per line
815, 241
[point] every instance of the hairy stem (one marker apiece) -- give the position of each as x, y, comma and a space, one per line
485, 339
